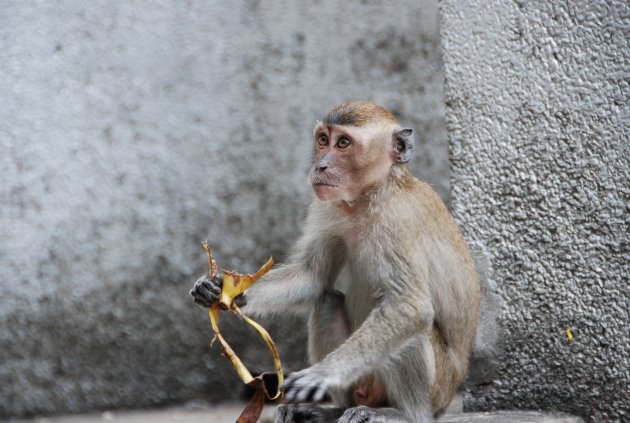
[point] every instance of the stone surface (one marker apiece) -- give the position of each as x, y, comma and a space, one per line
538, 118
224, 413
488, 349
130, 133
509, 417
228, 413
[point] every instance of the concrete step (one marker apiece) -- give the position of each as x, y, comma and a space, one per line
228, 413
509, 417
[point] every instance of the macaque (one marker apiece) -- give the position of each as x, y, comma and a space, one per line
392, 290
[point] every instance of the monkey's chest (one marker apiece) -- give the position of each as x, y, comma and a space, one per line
358, 293
363, 271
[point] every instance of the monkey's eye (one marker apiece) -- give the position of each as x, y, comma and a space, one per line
322, 140
343, 143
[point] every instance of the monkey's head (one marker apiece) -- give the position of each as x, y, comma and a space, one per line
355, 147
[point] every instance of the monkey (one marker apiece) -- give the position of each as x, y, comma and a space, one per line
382, 266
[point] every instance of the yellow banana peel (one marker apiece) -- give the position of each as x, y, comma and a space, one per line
234, 284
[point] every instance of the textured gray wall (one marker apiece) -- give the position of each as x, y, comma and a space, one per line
131, 131
538, 119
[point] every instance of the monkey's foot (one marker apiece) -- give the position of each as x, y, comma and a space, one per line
307, 413
363, 414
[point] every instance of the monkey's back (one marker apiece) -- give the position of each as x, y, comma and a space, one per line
445, 261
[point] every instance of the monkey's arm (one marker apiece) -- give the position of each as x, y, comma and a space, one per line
315, 263
393, 322
286, 287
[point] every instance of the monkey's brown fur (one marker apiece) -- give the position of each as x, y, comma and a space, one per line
447, 379
400, 331
358, 113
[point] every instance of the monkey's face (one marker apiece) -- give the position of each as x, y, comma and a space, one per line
347, 160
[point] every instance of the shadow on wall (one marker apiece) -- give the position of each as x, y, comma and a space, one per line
488, 350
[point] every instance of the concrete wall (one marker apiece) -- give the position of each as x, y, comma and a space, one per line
131, 131
538, 118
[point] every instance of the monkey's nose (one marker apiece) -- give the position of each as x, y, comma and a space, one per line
321, 168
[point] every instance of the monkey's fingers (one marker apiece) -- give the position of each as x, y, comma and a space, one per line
292, 387
218, 280
305, 386
289, 395
289, 414
201, 300
320, 394
310, 393
240, 301
302, 394
205, 293
305, 413
282, 411
207, 289
291, 380
307, 393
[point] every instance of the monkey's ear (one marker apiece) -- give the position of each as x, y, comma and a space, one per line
402, 146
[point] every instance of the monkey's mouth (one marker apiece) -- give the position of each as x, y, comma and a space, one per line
323, 184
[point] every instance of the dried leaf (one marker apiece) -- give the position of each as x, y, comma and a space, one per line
234, 284
254, 407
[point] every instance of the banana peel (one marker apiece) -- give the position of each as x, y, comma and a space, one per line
265, 385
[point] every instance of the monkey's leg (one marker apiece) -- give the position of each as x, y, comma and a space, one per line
329, 327
407, 376
415, 365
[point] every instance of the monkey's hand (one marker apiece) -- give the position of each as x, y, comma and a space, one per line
207, 292
309, 385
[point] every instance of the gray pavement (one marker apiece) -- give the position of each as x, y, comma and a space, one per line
224, 413
227, 413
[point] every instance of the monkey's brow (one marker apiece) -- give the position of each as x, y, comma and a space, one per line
344, 118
